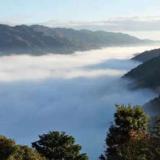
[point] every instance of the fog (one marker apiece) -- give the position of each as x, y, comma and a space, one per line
72, 93
152, 35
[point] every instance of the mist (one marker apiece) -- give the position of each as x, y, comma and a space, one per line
72, 93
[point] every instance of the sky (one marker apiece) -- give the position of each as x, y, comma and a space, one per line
140, 18
36, 11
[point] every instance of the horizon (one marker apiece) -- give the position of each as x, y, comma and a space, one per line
34, 12
149, 33
142, 20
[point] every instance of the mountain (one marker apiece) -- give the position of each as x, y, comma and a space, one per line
146, 75
38, 40
24, 39
147, 55
153, 106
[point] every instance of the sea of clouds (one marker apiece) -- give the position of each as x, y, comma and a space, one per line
74, 93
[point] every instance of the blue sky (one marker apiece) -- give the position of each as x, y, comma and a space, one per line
33, 11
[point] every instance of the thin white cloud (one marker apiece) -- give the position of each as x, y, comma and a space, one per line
148, 23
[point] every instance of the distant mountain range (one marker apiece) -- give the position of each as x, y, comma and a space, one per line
147, 75
37, 40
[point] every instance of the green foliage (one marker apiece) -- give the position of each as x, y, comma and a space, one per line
10, 151
53, 146
133, 150
147, 148
25, 153
129, 118
7, 148
130, 123
58, 146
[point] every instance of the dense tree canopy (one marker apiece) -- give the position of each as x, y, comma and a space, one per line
10, 151
51, 146
58, 146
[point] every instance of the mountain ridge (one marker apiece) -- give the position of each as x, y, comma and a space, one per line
147, 75
147, 55
37, 40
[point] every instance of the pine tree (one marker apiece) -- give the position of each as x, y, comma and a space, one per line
130, 125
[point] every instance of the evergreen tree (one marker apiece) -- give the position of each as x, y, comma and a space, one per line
130, 125
58, 146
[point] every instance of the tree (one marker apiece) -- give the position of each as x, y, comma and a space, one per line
10, 151
58, 146
130, 125
25, 153
7, 147
136, 149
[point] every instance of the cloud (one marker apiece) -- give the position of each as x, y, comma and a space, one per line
72, 93
148, 23
25, 67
